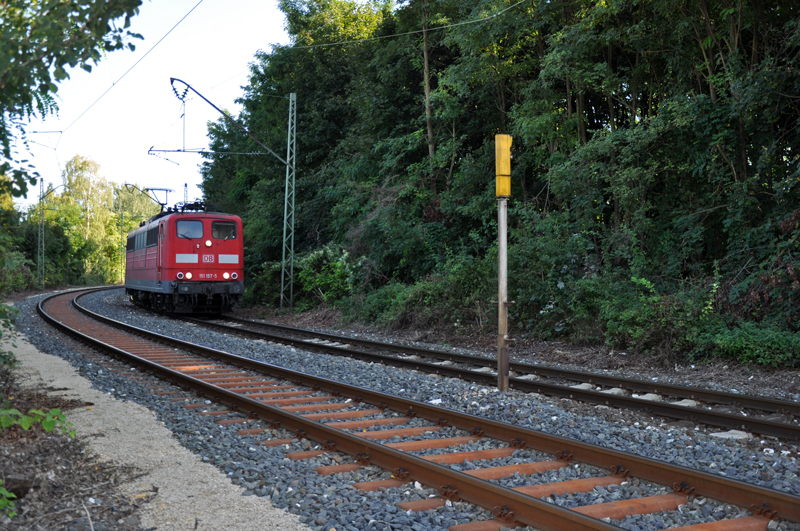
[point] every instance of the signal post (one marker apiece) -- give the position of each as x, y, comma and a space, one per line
503, 191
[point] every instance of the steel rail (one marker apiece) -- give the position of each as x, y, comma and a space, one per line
664, 409
526, 509
632, 384
785, 505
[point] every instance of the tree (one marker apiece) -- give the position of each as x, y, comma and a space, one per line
40, 41
655, 178
88, 200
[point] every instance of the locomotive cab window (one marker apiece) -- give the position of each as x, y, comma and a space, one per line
131, 244
223, 230
190, 229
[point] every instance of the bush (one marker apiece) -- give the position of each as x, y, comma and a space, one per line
49, 420
16, 273
752, 343
7, 313
382, 306
6, 505
264, 286
633, 314
457, 295
327, 274
547, 256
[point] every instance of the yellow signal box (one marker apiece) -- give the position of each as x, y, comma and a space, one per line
502, 150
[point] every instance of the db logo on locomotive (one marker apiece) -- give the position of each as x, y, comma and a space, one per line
208, 258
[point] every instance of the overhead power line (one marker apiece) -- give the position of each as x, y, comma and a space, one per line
182, 96
114, 84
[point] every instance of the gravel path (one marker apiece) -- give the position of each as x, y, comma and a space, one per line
330, 502
184, 493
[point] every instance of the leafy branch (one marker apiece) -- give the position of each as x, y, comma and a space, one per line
49, 420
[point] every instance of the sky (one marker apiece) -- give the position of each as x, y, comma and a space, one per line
210, 50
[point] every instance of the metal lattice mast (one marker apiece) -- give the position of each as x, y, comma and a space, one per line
40, 257
287, 270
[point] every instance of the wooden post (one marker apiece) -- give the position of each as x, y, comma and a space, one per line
502, 294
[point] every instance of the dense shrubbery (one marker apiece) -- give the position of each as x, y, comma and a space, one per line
751, 343
456, 295
17, 273
7, 336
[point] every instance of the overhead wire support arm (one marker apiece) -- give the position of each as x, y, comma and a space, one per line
287, 260
203, 152
152, 151
172, 81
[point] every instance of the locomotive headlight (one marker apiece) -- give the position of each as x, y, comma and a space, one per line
208, 243
188, 276
226, 276
180, 276
234, 276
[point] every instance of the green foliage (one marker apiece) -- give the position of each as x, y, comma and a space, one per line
751, 343
17, 273
653, 141
263, 285
382, 306
634, 314
85, 224
44, 39
7, 334
49, 420
6, 505
456, 297
327, 274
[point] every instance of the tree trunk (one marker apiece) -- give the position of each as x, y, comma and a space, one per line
634, 108
610, 95
569, 100
428, 112
756, 25
581, 117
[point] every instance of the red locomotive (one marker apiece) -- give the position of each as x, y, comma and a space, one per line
186, 260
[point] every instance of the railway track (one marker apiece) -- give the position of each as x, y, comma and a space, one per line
766, 417
365, 425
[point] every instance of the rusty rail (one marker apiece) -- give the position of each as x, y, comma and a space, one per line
525, 509
664, 409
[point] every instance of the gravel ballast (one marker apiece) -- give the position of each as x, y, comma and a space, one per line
331, 502
180, 491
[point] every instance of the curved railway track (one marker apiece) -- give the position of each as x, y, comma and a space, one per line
246, 391
764, 416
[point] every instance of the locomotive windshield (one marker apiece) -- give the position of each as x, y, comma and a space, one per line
223, 230
190, 229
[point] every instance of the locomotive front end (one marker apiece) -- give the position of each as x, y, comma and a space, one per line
186, 260
206, 270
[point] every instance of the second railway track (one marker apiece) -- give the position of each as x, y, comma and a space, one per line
268, 398
764, 416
